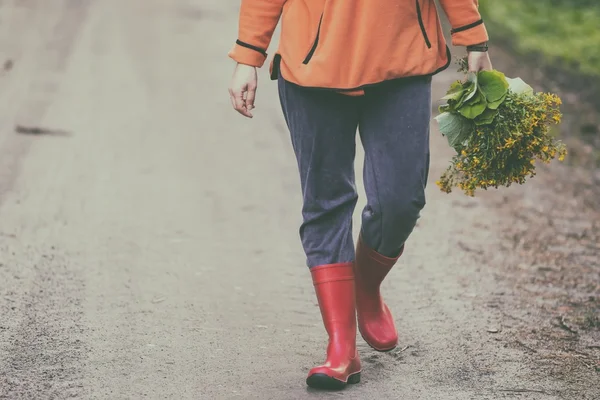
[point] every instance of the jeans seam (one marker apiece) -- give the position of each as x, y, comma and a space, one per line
371, 167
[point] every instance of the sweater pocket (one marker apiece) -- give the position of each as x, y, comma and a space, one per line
313, 48
422, 25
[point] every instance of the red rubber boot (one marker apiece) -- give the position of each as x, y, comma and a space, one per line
375, 321
334, 285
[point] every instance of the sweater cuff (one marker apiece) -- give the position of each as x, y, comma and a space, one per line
248, 54
470, 34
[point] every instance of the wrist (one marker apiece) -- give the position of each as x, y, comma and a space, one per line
480, 47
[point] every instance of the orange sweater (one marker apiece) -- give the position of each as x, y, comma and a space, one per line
349, 44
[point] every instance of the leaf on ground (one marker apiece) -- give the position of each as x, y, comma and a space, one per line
456, 128
493, 84
518, 86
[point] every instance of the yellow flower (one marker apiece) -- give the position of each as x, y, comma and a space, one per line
554, 99
509, 142
501, 154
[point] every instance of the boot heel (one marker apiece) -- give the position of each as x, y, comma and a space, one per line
354, 378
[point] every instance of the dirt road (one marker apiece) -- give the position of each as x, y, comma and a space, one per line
148, 235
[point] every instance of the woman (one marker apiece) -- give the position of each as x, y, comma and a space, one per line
343, 65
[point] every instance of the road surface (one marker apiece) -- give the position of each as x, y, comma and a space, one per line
148, 234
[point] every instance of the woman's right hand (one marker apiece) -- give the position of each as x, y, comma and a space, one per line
242, 89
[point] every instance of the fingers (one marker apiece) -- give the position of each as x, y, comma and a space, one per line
238, 102
488, 66
242, 89
479, 62
473, 64
250, 96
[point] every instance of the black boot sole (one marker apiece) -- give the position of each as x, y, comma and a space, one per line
322, 381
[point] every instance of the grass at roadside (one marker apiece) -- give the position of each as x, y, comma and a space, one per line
563, 32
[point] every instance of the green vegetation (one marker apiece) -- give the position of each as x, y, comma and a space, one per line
564, 32
498, 126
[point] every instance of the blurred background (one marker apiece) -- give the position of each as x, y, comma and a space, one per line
149, 235
557, 43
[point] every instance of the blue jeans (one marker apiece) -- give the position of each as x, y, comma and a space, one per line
393, 123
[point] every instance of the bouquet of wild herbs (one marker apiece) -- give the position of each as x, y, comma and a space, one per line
499, 127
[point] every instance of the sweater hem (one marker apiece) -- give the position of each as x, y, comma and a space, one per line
276, 70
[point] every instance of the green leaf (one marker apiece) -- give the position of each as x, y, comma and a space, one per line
444, 108
456, 128
471, 85
455, 92
487, 117
493, 84
518, 86
495, 104
474, 106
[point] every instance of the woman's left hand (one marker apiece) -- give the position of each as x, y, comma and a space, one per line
479, 61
